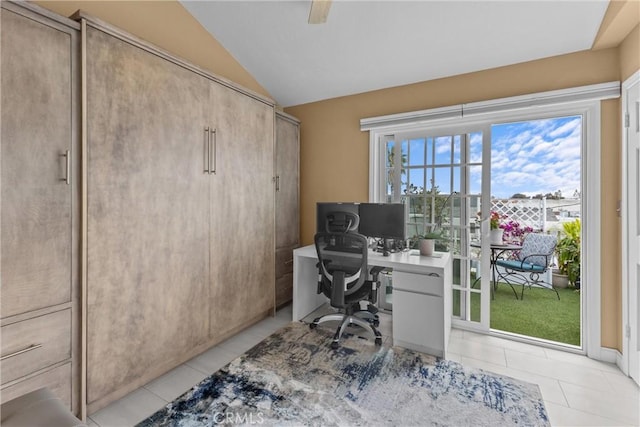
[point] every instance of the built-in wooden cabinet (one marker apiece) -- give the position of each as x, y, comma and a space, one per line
242, 211
180, 205
287, 203
176, 188
39, 219
148, 214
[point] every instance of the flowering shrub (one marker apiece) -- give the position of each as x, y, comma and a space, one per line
514, 233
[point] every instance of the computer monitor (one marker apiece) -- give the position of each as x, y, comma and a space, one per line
383, 220
329, 219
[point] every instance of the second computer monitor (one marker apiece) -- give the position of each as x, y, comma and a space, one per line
383, 220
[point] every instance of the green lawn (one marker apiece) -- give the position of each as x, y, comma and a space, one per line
539, 315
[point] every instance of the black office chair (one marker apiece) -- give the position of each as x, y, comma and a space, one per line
343, 278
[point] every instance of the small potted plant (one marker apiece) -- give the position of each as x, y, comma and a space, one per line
427, 242
496, 231
568, 252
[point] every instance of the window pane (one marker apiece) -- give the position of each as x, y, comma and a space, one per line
416, 152
457, 171
475, 179
475, 147
416, 181
443, 180
443, 150
416, 209
457, 149
404, 149
390, 153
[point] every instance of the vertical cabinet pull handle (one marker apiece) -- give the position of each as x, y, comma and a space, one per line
214, 154
277, 182
207, 149
67, 167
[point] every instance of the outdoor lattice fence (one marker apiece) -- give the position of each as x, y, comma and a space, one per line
527, 212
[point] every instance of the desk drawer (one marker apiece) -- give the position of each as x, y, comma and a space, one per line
34, 344
429, 284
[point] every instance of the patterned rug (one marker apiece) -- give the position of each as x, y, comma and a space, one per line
293, 377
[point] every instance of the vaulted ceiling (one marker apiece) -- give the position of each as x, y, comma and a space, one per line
369, 45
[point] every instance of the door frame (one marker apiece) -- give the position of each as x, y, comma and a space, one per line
583, 100
629, 290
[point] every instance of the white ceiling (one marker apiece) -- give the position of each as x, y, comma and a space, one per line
369, 45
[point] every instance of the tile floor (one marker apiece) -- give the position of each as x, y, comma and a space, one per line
577, 391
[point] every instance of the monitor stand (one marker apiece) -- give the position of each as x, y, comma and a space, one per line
385, 247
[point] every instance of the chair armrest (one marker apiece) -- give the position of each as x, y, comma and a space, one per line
375, 272
546, 260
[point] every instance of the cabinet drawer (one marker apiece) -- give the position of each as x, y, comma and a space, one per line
284, 289
34, 344
58, 380
284, 261
430, 284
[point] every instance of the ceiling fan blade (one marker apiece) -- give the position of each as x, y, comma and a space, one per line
319, 11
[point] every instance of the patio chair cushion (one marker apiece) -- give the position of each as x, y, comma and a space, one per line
520, 266
538, 244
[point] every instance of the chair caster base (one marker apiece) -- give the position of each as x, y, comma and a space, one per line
379, 342
312, 325
335, 345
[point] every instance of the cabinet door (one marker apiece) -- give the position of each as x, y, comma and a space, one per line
36, 133
148, 214
242, 211
287, 171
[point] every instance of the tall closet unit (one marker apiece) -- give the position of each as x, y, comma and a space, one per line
40, 204
180, 206
287, 203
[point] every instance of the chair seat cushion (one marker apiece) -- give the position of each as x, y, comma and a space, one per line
520, 266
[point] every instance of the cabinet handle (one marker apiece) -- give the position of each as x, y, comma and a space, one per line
67, 167
207, 149
277, 182
215, 151
24, 350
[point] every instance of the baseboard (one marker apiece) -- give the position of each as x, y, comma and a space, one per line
609, 355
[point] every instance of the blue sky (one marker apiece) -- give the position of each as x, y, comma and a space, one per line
532, 157
541, 156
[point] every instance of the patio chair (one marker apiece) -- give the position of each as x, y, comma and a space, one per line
531, 262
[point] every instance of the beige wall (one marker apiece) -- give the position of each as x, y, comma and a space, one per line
168, 25
335, 153
630, 54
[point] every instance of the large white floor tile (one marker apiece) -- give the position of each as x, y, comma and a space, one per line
91, 423
581, 360
617, 406
478, 350
560, 370
212, 360
561, 416
529, 349
129, 410
175, 382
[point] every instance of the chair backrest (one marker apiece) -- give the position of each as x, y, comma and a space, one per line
343, 264
538, 244
341, 222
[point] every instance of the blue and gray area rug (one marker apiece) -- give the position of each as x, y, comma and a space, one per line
293, 377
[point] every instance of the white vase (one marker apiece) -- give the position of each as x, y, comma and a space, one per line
427, 246
496, 236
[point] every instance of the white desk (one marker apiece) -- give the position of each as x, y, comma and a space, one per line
421, 314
